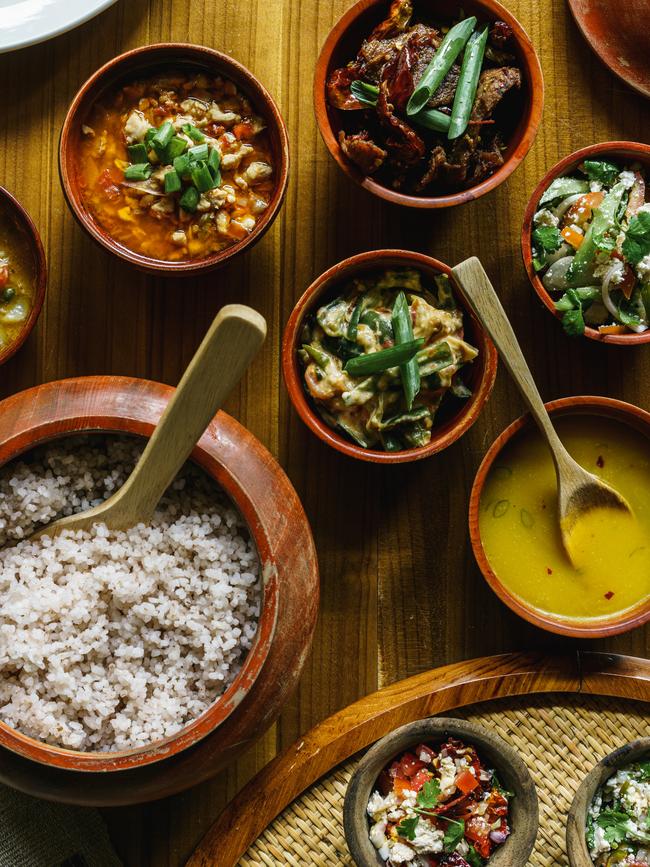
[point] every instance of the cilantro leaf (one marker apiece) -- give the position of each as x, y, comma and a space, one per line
501, 789
644, 772
606, 240
406, 828
637, 238
614, 825
600, 170
429, 794
454, 834
473, 858
573, 323
547, 238
590, 832
628, 313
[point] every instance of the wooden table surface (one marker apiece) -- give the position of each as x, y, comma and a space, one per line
400, 590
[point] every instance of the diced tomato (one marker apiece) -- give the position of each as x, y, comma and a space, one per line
4, 275
477, 831
422, 751
572, 236
401, 785
627, 284
466, 782
420, 779
410, 764
497, 804
244, 131
581, 211
395, 770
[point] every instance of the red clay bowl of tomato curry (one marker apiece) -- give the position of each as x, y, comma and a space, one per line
342, 45
618, 410
141, 63
618, 151
480, 376
23, 248
270, 507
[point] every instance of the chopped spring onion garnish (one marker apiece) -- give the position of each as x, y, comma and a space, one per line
375, 362
172, 182
193, 132
138, 172
189, 200
138, 153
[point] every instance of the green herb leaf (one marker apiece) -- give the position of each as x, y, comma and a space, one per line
547, 238
406, 828
573, 323
628, 313
615, 825
473, 858
429, 794
644, 771
454, 834
496, 782
637, 238
600, 170
364, 93
590, 832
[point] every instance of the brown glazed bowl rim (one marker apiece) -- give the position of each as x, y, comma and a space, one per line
63, 397
149, 57
511, 767
326, 282
577, 819
619, 410
525, 132
19, 216
618, 150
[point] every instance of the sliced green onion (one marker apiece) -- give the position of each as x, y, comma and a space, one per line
174, 149
138, 153
376, 362
138, 172
429, 118
189, 200
198, 152
172, 182
202, 177
148, 136
353, 324
467, 83
162, 137
442, 61
403, 330
182, 166
322, 359
193, 132
214, 160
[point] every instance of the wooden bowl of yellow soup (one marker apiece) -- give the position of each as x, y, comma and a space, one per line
514, 526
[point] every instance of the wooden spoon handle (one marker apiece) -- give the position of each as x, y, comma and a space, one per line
484, 301
219, 363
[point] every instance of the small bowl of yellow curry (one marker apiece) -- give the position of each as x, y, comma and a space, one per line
605, 588
23, 275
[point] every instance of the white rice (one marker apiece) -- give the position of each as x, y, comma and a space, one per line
111, 641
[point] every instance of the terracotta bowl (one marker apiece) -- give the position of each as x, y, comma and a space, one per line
612, 30
598, 628
577, 820
513, 773
344, 42
479, 375
15, 212
622, 151
144, 61
264, 496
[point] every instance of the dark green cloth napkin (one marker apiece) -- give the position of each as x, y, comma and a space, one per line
37, 833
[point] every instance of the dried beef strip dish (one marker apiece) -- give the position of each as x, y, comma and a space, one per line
428, 109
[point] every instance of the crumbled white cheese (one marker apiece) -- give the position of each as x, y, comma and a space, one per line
427, 840
627, 179
447, 775
615, 266
643, 269
545, 218
378, 834
595, 186
400, 853
644, 209
136, 127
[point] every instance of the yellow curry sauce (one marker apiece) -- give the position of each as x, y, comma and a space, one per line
141, 215
17, 281
520, 530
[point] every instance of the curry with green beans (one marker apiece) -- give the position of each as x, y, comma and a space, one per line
380, 358
17, 282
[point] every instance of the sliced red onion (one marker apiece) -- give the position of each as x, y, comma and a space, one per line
498, 836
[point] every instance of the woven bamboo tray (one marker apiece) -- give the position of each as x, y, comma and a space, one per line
562, 714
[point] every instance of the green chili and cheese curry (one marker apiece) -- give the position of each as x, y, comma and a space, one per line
17, 282
176, 167
379, 359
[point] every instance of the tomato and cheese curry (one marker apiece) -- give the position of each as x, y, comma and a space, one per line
176, 167
17, 282
520, 529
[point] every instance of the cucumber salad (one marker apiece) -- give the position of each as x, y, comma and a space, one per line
591, 247
618, 822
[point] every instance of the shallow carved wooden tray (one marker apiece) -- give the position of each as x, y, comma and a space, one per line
562, 713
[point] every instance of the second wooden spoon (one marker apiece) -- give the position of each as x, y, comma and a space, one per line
578, 490
219, 363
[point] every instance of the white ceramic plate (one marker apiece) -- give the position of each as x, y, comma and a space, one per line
26, 22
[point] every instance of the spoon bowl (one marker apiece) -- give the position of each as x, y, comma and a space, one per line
579, 492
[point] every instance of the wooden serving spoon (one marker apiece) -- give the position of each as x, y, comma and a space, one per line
578, 490
219, 363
